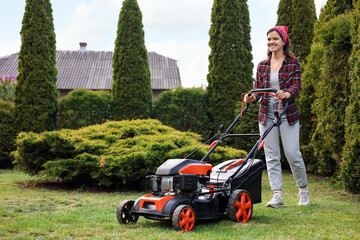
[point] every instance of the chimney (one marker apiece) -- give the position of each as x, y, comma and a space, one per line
83, 46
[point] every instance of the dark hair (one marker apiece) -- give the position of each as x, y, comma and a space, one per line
286, 47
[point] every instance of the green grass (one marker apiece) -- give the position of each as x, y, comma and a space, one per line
30, 212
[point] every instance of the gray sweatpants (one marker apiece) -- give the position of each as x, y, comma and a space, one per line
290, 140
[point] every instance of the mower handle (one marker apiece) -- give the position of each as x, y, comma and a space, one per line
256, 90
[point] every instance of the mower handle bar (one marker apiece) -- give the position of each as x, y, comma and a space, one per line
254, 150
224, 135
256, 90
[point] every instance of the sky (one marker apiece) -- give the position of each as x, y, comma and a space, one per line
178, 29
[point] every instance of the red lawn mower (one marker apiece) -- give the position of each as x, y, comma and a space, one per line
187, 190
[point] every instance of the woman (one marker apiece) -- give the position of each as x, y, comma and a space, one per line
281, 71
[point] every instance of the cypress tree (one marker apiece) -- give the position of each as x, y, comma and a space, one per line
284, 15
313, 72
331, 94
315, 76
36, 92
350, 167
302, 33
334, 8
132, 84
300, 17
230, 60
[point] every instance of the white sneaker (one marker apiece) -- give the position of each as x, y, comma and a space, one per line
304, 195
276, 201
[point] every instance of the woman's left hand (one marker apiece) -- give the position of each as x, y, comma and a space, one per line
283, 95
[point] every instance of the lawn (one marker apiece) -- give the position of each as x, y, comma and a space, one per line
30, 211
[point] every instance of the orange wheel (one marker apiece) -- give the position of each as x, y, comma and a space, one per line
123, 213
183, 218
240, 206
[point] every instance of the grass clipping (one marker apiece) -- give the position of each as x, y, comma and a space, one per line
114, 154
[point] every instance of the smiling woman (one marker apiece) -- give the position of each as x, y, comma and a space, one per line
281, 71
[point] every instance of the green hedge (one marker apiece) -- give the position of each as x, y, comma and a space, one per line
83, 108
184, 110
7, 133
113, 154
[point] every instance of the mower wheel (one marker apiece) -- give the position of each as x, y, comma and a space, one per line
183, 218
124, 214
239, 208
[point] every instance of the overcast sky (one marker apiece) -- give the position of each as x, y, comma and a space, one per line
174, 28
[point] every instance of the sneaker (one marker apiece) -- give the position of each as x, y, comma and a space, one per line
304, 195
276, 201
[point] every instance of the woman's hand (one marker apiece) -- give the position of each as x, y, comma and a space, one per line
283, 95
249, 98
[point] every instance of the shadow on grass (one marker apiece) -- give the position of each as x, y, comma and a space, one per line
58, 185
166, 225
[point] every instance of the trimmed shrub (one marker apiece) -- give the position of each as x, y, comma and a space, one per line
116, 154
184, 110
7, 133
84, 107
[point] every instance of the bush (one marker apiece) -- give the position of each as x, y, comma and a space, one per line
83, 108
184, 110
116, 154
7, 87
7, 133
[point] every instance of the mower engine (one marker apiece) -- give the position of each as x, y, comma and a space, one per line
179, 177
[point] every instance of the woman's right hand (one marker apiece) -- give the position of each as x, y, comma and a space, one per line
249, 98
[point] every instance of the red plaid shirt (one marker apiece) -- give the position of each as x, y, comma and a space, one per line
289, 80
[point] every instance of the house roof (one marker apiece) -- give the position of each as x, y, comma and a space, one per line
93, 70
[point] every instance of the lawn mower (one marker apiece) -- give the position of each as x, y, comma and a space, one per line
187, 190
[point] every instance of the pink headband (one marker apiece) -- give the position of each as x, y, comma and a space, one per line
283, 32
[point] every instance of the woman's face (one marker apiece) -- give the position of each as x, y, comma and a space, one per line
275, 42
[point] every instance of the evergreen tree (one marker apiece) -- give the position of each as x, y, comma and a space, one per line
333, 8
331, 94
284, 15
132, 84
299, 16
36, 92
230, 60
312, 74
350, 167
302, 33
314, 78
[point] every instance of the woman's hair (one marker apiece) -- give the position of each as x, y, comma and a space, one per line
286, 48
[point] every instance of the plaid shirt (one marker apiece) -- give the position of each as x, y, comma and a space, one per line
289, 81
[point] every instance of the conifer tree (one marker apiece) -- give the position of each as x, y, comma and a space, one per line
284, 15
310, 79
315, 77
332, 94
302, 33
350, 167
36, 92
132, 84
300, 17
333, 8
230, 60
